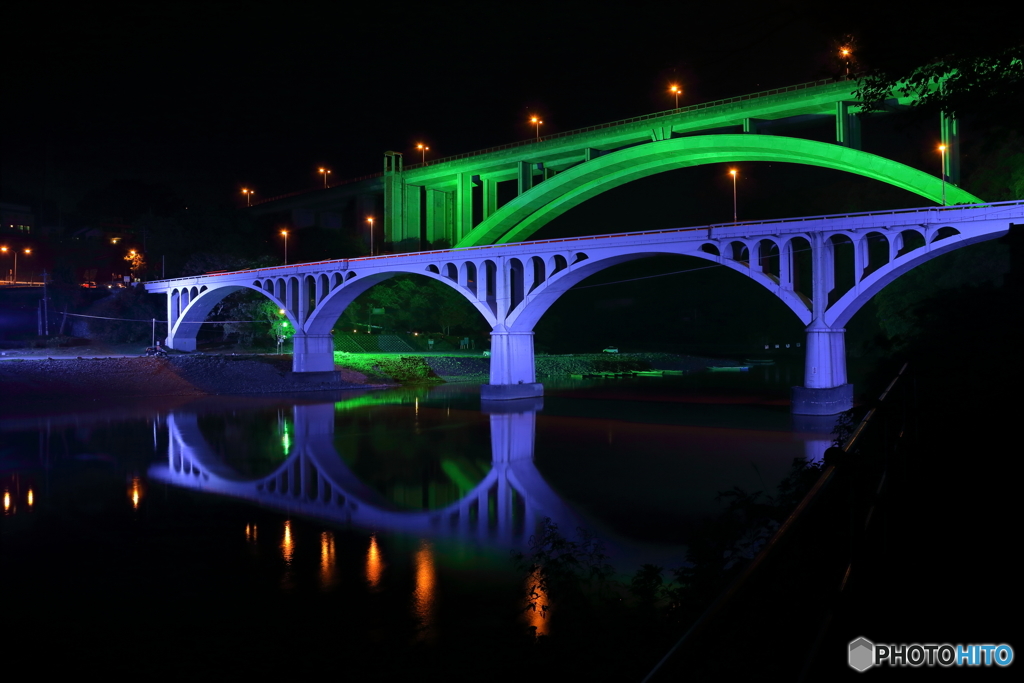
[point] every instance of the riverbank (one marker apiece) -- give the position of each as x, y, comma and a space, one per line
44, 376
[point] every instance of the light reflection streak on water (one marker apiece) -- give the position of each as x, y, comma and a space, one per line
535, 593
7, 502
425, 593
326, 559
374, 564
136, 492
31, 498
287, 545
250, 533
286, 439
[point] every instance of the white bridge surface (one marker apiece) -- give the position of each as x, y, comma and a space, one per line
513, 285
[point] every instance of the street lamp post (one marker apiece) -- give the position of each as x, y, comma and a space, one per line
369, 220
248, 196
677, 91
423, 153
285, 233
942, 151
325, 172
15, 253
732, 172
535, 120
844, 52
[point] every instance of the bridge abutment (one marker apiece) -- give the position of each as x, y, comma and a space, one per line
512, 367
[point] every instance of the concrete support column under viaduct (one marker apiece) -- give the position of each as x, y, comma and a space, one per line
512, 367
825, 390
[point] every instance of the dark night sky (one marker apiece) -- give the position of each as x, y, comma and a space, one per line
208, 99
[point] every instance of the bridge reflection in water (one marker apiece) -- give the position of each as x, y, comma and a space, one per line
503, 509
314, 481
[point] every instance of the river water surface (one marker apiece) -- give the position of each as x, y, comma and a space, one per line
245, 533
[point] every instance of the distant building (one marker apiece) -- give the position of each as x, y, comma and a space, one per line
17, 218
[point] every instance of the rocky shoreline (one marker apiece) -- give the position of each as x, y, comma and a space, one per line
64, 379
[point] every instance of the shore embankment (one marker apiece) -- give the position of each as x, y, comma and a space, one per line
27, 377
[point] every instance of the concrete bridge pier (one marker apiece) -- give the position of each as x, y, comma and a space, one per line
180, 342
825, 390
512, 367
312, 353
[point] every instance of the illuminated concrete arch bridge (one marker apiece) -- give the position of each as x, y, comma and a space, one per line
513, 285
506, 193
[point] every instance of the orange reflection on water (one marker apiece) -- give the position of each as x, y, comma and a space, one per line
326, 559
31, 498
135, 492
250, 533
374, 563
7, 501
287, 545
538, 597
425, 594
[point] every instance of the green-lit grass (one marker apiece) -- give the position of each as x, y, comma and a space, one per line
388, 367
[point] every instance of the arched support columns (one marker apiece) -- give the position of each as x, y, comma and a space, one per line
512, 368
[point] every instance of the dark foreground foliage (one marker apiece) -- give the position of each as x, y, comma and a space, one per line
597, 617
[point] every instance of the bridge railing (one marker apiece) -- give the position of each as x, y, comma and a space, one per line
735, 229
569, 133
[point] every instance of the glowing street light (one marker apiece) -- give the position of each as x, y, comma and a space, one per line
285, 233
27, 252
423, 152
535, 120
844, 54
942, 151
732, 172
369, 219
248, 196
677, 91
325, 172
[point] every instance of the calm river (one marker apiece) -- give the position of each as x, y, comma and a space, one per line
236, 534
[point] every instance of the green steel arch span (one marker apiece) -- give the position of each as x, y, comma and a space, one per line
527, 213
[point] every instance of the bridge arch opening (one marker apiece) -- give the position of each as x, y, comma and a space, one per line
658, 302
237, 314
909, 240
876, 252
397, 304
768, 258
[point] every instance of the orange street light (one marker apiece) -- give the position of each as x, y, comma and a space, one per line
369, 219
26, 251
732, 172
942, 151
285, 233
423, 152
325, 173
248, 196
844, 53
677, 91
535, 120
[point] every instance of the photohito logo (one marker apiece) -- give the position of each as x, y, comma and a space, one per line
863, 654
